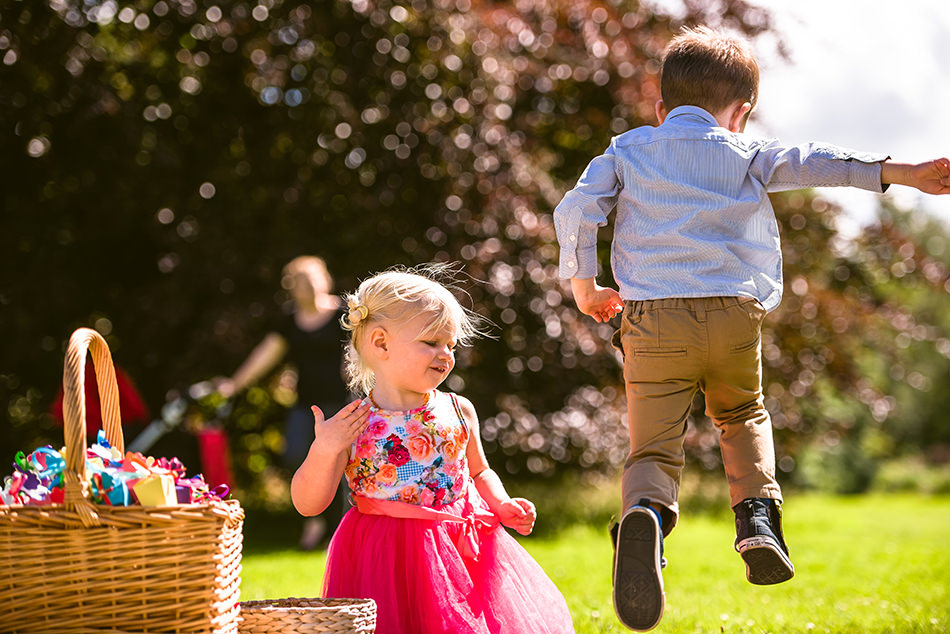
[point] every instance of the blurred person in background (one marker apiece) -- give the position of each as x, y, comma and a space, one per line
310, 338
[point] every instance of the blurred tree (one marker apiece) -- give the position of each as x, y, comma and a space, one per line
164, 159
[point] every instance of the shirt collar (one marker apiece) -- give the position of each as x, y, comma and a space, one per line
691, 114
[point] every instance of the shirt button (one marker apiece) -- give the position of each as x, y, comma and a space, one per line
571, 264
573, 238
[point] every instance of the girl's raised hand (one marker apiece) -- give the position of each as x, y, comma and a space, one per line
337, 433
518, 514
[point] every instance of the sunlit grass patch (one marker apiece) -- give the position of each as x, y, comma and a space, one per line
868, 564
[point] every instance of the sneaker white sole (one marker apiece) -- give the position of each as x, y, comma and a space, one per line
638, 582
765, 561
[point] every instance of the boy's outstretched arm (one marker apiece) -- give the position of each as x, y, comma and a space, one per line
930, 177
599, 302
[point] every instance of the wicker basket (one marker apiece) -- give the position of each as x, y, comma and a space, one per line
81, 567
307, 616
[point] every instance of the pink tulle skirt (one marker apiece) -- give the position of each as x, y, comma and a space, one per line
423, 583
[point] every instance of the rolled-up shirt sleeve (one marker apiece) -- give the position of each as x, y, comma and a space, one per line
581, 212
817, 165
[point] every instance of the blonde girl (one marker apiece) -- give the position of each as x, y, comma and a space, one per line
426, 538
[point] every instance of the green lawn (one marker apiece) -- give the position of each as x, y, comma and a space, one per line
871, 564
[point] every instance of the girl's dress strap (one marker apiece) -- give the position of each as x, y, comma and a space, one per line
458, 409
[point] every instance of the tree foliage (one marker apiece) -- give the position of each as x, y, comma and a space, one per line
164, 159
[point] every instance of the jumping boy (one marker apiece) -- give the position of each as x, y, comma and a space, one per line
698, 262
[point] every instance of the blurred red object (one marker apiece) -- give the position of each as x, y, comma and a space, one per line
215, 456
132, 407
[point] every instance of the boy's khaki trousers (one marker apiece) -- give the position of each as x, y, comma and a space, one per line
671, 349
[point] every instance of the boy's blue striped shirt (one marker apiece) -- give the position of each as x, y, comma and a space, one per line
693, 215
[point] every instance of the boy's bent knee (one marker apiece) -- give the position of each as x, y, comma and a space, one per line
751, 413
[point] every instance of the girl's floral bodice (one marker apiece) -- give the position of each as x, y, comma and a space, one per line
417, 456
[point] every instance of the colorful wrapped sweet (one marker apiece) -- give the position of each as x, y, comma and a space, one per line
114, 479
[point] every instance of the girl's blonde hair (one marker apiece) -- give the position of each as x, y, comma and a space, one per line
400, 294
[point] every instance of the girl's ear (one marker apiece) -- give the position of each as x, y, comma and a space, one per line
379, 342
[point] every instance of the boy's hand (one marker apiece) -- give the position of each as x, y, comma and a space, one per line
339, 432
518, 514
599, 302
930, 177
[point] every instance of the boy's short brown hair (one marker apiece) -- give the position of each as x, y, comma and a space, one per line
708, 69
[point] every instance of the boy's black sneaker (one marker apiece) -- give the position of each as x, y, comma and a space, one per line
760, 542
638, 560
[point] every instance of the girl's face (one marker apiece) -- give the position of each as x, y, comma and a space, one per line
418, 361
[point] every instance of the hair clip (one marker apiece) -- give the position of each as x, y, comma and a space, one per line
357, 313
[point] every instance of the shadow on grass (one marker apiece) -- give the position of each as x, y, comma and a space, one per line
562, 502
268, 531
595, 500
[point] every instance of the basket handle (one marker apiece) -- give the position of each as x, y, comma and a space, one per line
76, 487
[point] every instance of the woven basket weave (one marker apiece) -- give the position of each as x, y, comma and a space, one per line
307, 616
81, 567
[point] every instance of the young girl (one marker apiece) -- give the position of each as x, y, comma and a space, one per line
424, 540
